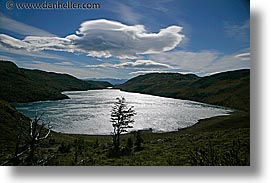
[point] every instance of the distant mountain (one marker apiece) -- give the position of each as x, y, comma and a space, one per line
24, 85
113, 81
99, 84
229, 89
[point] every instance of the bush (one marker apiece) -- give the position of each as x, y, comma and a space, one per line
138, 142
129, 145
63, 148
209, 155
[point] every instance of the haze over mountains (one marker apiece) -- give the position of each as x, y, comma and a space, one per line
113, 81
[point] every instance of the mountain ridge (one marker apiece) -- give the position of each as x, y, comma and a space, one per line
25, 85
228, 89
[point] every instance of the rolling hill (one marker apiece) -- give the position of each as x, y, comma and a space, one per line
24, 85
229, 89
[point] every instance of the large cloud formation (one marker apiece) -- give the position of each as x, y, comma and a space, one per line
103, 38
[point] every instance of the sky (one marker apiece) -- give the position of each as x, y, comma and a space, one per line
123, 39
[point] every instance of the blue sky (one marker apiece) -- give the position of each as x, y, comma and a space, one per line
123, 39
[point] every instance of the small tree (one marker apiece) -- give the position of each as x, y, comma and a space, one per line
121, 119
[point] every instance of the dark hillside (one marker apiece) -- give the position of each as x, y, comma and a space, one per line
166, 84
229, 89
24, 85
9, 125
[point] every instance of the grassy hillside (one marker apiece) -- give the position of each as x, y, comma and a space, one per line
229, 89
228, 143
24, 85
9, 125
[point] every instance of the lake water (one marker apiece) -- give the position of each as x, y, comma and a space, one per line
88, 112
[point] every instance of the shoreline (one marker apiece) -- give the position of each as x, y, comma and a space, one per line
157, 133
232, 111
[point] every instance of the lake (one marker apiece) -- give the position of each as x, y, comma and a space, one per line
88, 112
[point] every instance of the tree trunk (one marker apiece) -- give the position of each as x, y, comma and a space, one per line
76, 156
118, 143
31, 154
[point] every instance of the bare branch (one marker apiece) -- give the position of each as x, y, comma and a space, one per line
42, 138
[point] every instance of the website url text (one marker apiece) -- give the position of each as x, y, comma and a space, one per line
52, 5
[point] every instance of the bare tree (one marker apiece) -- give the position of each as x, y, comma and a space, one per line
28, 138
20, 134
37, 133
121, 119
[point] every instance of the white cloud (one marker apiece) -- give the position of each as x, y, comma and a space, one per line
243, 56
143, 64
21, 28
64, 63
146, 72
138, 64
103, 38
14, 46
227, 63
104, 65
36, 43
10, 42
156, 71
186, 60
204, 62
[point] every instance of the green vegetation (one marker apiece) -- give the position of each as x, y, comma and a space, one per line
24, 85
229, 89
222, 140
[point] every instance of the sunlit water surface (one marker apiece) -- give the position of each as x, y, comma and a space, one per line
88, 112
